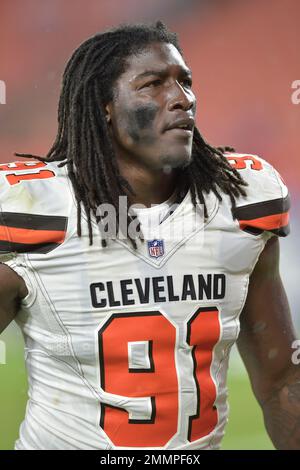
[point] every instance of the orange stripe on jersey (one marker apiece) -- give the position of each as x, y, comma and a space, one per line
29, 236
269, 222
269, 215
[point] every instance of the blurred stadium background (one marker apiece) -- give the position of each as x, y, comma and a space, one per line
244, 55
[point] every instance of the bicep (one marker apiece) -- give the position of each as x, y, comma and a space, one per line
267, 333
12, 290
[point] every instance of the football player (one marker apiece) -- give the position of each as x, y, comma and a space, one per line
127, 337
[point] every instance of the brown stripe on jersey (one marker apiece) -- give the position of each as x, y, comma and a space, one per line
33, 221
9, 247
282, 231
268, 215
262, 209
31, 233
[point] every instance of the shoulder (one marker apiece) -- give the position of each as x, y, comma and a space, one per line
35, 201
30, 174
14, 173
266, 205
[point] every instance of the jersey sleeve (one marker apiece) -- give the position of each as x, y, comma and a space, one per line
33, 208
266, 206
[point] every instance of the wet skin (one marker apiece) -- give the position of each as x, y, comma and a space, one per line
152, 93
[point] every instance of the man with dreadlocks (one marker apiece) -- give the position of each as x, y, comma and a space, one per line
128, 337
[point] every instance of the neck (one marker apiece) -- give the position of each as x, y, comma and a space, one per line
150, 186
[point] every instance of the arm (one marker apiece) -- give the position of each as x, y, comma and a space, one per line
265, 344
12, 290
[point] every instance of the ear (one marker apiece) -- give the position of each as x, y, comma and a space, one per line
108, 113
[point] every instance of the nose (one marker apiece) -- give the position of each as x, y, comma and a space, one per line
181, 99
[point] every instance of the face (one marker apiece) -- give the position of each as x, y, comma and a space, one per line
151, 117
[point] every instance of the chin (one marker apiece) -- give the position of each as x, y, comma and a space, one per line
176, 161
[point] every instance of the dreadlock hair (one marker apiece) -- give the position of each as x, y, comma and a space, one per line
83, 142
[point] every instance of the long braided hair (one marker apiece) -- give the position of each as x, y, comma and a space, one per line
83, 141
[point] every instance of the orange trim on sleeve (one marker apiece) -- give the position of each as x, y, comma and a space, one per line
29, 236
269, 222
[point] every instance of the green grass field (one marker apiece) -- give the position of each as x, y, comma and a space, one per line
245, 429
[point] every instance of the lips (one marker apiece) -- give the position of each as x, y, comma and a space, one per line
180, 132
184, 124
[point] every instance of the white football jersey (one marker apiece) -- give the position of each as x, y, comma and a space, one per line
125, 348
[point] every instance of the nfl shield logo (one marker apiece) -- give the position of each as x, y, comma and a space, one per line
156, 248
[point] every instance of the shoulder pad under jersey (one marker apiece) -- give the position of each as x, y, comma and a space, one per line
266, 206
34, 207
